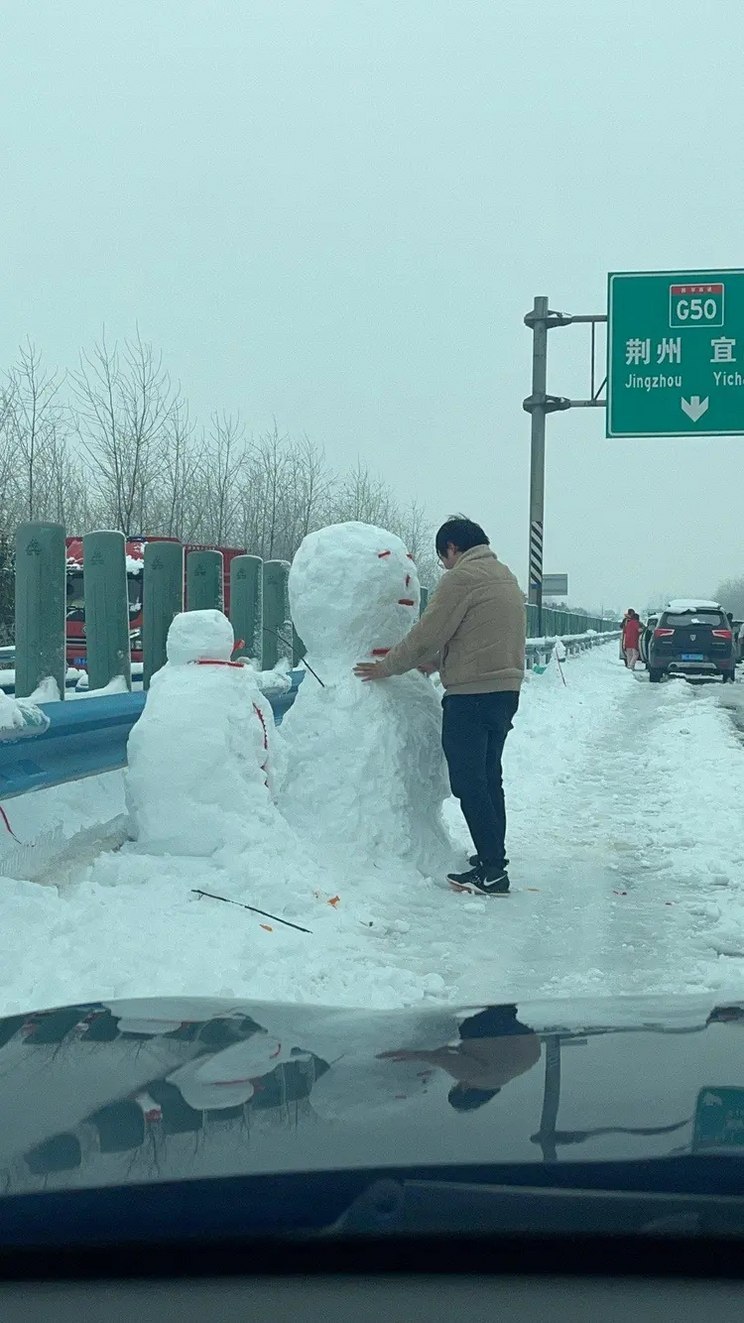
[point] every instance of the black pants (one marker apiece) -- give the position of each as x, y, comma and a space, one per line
474, 731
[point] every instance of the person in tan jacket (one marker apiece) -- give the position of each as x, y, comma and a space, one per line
473, 633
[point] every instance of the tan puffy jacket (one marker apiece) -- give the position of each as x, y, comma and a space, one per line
473, 627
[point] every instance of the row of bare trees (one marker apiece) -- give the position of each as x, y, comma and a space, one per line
112, 445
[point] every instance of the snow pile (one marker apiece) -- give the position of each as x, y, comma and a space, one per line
21, 716
623, 800
365, 769
276, 681
200, 754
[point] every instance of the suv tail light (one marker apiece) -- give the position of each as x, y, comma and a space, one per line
721, 633
663, 633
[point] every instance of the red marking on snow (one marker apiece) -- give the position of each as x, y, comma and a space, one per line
408, 581
410, 557
8, 827
334, 901
382, 554
406, 601
260, 716
215, 661
380, 652
278, 1051
266, 927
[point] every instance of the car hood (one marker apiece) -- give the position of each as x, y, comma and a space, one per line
167, 1089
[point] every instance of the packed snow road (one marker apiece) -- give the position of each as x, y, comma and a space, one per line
627, 866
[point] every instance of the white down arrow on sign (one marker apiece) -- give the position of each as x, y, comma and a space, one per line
694, 407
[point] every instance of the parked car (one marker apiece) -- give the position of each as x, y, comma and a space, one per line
692, 638
739, 640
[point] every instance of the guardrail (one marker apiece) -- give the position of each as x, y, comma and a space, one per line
85, 739
89, 737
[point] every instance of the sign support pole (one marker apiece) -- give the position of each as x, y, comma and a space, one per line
537, 454
538, 405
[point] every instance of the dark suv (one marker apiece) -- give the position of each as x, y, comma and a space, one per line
692, 639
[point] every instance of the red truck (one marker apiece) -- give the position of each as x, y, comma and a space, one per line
135, 553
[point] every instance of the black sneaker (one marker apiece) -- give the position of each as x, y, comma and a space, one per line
481, 881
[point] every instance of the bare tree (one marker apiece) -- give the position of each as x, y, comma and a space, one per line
37, 425
125, 405
416, 531
730, 594
223, 462
175, 504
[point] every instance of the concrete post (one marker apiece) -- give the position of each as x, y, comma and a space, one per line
40, 603
246, 605
204, 571
106, 608
277, 626
162, 587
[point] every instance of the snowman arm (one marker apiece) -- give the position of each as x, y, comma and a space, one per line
441, 619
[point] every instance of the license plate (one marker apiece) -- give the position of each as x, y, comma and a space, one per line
719, 1119
692, 656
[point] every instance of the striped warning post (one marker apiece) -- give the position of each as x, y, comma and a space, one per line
536, 554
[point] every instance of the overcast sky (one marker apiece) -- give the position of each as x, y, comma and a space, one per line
337, 212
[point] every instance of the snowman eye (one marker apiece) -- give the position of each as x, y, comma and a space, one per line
408, 584
382, 554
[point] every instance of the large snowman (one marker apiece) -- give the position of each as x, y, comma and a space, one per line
365, 769
201, 755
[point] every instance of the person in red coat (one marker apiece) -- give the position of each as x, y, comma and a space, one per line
632, 630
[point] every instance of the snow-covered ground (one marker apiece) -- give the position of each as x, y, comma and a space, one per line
627, 849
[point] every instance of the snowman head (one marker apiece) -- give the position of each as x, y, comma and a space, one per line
353, 591
200, 636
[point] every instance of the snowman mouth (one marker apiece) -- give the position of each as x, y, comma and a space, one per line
406, 601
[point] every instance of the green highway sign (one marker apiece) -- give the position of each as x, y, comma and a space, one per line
675, 353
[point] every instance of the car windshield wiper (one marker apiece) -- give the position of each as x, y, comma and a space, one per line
435, 1207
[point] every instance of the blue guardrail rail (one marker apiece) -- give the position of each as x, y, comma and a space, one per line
86, 737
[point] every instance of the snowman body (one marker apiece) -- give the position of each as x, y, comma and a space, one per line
200, 757
364, 764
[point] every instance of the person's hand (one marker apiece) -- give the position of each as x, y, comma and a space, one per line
427, 668
367, 671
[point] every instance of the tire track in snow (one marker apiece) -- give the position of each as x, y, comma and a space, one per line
642, 887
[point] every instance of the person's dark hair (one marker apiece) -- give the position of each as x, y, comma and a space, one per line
465, 1099
462, 533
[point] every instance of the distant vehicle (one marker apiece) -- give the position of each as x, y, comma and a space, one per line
692, 638
135, 559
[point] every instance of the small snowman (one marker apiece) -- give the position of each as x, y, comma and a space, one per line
365, 769
201, 755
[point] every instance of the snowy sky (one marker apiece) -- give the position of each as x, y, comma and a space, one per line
337, 212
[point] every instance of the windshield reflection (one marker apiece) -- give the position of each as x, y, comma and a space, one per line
134, 1082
